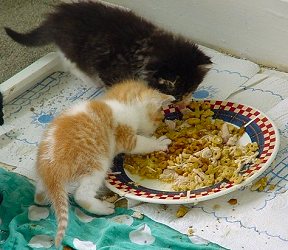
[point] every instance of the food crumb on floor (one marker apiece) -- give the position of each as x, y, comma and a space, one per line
260, 184
182, 210
272, 187
190, 231
232, 202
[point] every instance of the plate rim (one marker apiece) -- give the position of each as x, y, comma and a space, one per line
211, 196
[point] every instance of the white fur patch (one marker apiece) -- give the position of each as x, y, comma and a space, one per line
134, 115
124, 114
79, 108
87, 190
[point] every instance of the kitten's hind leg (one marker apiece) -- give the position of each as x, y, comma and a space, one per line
86, 192
40, 197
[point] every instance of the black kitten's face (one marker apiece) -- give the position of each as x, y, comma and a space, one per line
179, 71
181, 82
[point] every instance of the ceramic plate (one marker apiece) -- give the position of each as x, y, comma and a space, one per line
259, 128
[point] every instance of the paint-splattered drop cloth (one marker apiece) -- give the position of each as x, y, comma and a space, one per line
24, 225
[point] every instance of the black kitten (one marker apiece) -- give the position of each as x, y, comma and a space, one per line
116, 44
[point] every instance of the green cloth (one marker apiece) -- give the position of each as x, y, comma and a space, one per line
24, 225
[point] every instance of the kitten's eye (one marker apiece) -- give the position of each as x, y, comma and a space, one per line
172, 84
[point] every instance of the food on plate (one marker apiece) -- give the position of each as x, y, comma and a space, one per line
203, 152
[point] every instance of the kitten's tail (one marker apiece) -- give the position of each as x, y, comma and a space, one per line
59, 198
36, 37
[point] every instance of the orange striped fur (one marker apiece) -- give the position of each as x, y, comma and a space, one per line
80, 144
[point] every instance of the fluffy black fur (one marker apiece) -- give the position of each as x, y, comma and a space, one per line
117, 44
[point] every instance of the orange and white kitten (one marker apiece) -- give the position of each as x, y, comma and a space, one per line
80, 144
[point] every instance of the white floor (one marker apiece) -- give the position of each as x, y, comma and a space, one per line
255, 223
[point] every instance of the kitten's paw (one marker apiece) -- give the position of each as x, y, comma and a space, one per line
96, 206
162, 143
40, 199
109, 211
109, 204
109, 208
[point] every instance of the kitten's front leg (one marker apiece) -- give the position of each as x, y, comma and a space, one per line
145, 145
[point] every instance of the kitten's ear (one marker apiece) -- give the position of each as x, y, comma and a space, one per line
204, 61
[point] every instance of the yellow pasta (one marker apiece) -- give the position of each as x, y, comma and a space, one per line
203, 152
